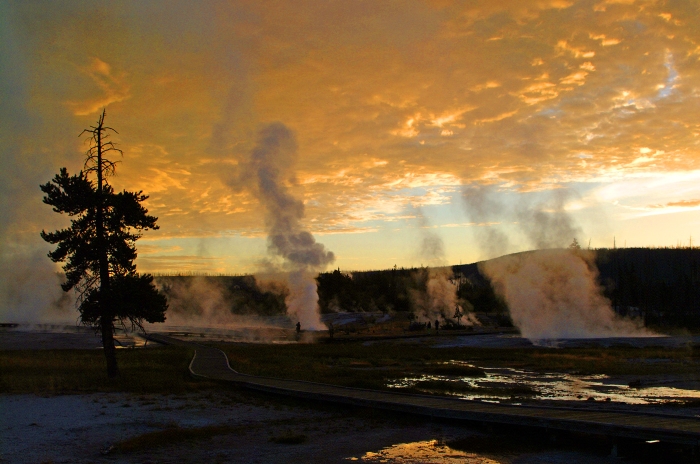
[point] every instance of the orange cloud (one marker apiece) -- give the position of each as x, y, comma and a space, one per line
684, 203
112, 88
392, 105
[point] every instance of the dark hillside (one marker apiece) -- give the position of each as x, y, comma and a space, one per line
661, 285
384, 291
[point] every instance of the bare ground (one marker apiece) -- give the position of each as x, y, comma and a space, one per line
90, 429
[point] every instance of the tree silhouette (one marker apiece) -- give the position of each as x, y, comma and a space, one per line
574, 245
99, 246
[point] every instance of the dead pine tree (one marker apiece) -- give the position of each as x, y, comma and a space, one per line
99, 246
97, 164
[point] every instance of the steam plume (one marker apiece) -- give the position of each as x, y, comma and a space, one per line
197, 301
30, 292
30, 289
271, 165
547, 224
552, 292
484, 209
440, 299
208, 302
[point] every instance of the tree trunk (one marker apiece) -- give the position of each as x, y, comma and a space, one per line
108, 347
105, 299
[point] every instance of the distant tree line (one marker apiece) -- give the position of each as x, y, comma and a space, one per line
661, 285
243, 295
395, 290
369, 291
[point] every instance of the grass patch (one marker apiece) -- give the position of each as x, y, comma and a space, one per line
165, 369
172, 435
52, 372
381, 362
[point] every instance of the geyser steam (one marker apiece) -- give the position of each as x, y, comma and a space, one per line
440, 299
30, 291
484, 210
270, 166
551, 293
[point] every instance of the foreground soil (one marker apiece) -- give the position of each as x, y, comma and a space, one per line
243, 427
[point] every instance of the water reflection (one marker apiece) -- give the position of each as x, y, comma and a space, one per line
432, 451
509, 384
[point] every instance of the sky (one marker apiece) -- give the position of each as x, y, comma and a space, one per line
490, 126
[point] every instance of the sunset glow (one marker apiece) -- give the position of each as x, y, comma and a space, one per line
588, 109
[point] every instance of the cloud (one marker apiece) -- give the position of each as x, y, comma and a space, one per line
680, 204
684, 203
112, 88
391, 103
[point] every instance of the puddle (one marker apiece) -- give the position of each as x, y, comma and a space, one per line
431, 451
508, 384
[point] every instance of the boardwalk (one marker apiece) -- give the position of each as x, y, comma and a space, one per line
212, 363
